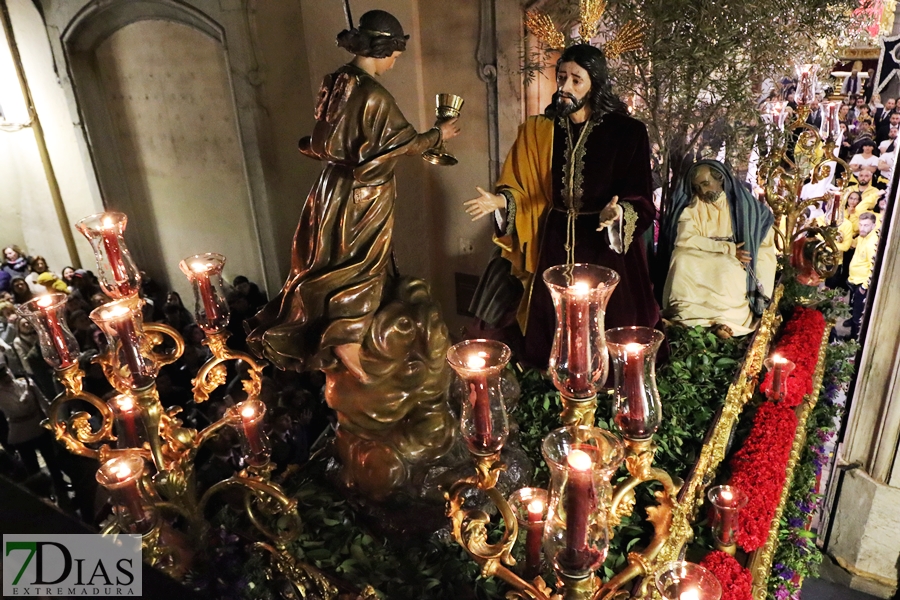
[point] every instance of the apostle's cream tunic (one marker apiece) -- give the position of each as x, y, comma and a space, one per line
707, 284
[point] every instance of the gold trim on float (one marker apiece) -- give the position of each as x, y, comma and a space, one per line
760, 564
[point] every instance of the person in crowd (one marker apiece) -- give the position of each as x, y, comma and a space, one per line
222, 463
290, 440
880, 211
860, 271
255, 297
883, 114
25, 341
815, 113
50, 283
721, 245
37, 265
887, 158
857, 107
20, 290
869, 85
866, 159
175, 314
68, 275
5, 280
892, 122
868, 192
853, 84
24, 407
8, 317
85, 331
15, 263
585, 136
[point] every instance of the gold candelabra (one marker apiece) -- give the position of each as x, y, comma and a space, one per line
800, 157
573, 528
146, 453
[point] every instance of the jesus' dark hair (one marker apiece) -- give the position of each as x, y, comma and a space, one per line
601, 98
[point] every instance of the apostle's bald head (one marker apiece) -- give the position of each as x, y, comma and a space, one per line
707, 182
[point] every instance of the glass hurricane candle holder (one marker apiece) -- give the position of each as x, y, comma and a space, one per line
122, 477
638, 411
128, 422
254, 443
119, 276
204, 271
727, 502
47, 314
682, 580
122, 324
482, 417
579, 363
576, 533
781, 368
530, 507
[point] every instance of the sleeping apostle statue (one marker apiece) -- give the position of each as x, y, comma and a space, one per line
379, 339
575, 188
720, 246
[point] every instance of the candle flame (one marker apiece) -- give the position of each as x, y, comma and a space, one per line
116, 311
120, 470
777, 358
108, 222
726, 495
476, 362
198, 267
125, 403
580, 460
633, 348
45, 301
536, 507
691, 594
248, 412
580, 288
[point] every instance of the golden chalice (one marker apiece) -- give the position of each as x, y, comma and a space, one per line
448, 107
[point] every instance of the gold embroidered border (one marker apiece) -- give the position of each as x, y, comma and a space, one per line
630, 215
714, 449
573, 165
760, 563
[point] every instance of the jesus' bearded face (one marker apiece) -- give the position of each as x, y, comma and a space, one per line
706, 186
573, 86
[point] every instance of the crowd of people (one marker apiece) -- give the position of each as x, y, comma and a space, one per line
27, 383
868, 144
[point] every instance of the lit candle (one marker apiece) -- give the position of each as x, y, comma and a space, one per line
579, 335
480, 400
804, 88
578, 504
533, 538
691, 594
251, 430
128, 489
113, 251
127, 413
778, 363
634, 423
119, 317
206, 292
726, 497
56, 333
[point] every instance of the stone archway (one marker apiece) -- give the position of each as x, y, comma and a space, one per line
153, 84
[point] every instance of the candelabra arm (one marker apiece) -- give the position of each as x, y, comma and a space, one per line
147, 399
79, 422
271, 501
213, 373
153, 338
639, 461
